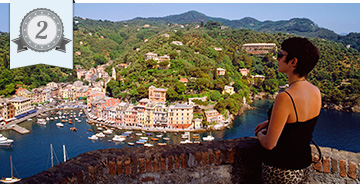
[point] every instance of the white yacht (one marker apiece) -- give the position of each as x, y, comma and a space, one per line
118, 138
208, 138
5, 141
59, 124
108, 131
148, 145
100, 134
93, 137
41, 121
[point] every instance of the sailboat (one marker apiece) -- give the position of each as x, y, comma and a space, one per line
12, 179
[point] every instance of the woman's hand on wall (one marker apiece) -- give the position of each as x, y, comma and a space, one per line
261, 126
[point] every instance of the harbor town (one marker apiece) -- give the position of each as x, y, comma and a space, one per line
151, 114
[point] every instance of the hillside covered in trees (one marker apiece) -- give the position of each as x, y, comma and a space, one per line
336, 74
298, 26
97, 42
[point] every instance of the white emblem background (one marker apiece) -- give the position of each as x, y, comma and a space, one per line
18, 9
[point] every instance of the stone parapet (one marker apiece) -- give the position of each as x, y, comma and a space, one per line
223, 161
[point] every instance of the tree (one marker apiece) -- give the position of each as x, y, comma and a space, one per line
171, 94
203, 83
215, 96
180, 88
150, 63
99, 60
164, 64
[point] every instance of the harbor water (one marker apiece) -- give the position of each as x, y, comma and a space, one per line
31, 152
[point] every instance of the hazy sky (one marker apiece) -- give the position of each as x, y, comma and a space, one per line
341, 18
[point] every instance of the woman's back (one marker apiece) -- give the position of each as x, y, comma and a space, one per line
307, 100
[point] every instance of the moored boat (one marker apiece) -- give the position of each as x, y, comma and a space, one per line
162, 144
59, 124
208, 138
73, 129
148, 145
100, 134
131, 143
108, 131
5, 141
118, 138
41, 121
93, 137
12, 179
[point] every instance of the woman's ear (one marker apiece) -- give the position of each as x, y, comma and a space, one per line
293, 62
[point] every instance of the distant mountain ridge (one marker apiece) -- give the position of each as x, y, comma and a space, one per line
299, 26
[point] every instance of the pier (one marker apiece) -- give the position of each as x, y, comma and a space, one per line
20, 130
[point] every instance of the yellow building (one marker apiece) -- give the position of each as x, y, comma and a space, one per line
157, 94
228, 89
21, 104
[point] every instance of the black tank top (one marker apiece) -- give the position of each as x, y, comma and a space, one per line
292, 150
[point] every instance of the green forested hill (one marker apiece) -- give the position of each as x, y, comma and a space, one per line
298, 26
338, 66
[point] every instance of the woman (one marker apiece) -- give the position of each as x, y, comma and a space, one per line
286, 136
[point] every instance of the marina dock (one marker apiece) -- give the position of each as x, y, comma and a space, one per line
20, 130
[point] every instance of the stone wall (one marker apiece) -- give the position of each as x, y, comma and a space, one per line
225, 161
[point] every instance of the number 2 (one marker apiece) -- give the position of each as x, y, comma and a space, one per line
42, 30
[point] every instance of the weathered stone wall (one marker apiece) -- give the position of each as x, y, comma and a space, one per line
226, 161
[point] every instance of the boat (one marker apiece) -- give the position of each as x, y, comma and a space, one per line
195, 137
59, 124
73, 129
186, 135
56, 118
185, 142
12, 179
144, 138
51, 118
100, 134
197, 142
208, 138
63, 120
154, 139
159, 135
99, 128
166, 138
140, 141
161, 144
118, 138
47, 119
131, 143
108, 131
93, 137
5, 141
138, 134
90, 130
29, 119
148, 145
41, 122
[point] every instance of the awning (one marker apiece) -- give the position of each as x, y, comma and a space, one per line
21, 115
32, 111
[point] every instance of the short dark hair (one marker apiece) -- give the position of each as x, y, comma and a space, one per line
304, 51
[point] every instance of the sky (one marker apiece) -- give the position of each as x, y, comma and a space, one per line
341, 18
